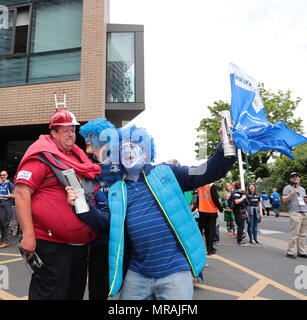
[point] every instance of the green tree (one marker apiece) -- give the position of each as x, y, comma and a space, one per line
283, 166
278, 106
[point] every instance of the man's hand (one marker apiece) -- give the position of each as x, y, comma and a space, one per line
28, 245
220, 132
71, 195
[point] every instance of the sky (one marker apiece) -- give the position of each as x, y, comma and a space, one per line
188, 47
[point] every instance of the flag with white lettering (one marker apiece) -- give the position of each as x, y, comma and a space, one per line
252, 132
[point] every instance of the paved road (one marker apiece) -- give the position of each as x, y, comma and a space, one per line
234, 273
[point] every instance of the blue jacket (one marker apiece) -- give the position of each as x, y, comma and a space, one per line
167, 184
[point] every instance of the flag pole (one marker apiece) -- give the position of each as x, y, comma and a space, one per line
241, 169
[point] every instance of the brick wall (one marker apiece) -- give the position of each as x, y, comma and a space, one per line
33, 104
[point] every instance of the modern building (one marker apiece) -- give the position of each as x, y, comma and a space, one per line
64, 46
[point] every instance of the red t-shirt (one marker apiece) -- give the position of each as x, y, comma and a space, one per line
53, 218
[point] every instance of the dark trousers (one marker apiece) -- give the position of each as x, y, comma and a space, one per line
5, 218
63, 276
240, 219
207, 222
98, 271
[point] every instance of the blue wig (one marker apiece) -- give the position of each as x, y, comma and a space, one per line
140, 137
95, 127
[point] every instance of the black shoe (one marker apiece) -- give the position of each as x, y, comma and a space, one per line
304, 255
257, 241
291, 256
213, 251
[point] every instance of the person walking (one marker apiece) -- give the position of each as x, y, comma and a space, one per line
295, 197
266, 204
208, 206
254, 212
276, 202
240, 211
6, 196
49, 226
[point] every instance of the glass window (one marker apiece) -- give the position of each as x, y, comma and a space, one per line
120, 67
55, 66
56, 25
21, 30
6, 30
14, 2
13, 71
54, 53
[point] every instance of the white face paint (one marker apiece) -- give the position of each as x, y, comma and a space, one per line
131, 155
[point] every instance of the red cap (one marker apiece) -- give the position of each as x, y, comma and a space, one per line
63, 118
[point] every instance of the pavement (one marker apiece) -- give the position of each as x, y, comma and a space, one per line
254, 272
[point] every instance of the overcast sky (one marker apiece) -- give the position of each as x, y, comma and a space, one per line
188, 48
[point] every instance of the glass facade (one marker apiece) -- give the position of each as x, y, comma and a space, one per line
6, 31
120, 67
55, 67
13, 70
42, 43
56, 25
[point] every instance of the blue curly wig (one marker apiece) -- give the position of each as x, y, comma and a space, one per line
95, 127
140, 137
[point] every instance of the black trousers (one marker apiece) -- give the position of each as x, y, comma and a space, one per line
240, 219
207, 222
63, 276
98, 271
5, 218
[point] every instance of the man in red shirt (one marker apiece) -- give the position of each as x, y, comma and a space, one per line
49, 226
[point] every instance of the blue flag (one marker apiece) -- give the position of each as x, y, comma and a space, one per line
252, 132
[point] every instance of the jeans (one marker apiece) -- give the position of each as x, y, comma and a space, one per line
253, 227
177, 286
276, 211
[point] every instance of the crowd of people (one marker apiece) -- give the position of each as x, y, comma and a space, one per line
138, 236
242, 211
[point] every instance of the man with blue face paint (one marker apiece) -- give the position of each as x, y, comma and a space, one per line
155, 246
97, 135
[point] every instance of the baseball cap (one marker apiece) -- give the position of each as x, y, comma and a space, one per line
292, 174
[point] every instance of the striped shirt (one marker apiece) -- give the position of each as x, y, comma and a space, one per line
155, 249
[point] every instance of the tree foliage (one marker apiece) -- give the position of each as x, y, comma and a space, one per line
283, 166
278, 106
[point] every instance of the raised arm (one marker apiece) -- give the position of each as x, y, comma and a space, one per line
212, 170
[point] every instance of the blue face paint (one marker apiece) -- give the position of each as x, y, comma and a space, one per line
132, 158
94, 141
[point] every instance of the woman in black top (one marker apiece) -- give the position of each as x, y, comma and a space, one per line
254, 210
